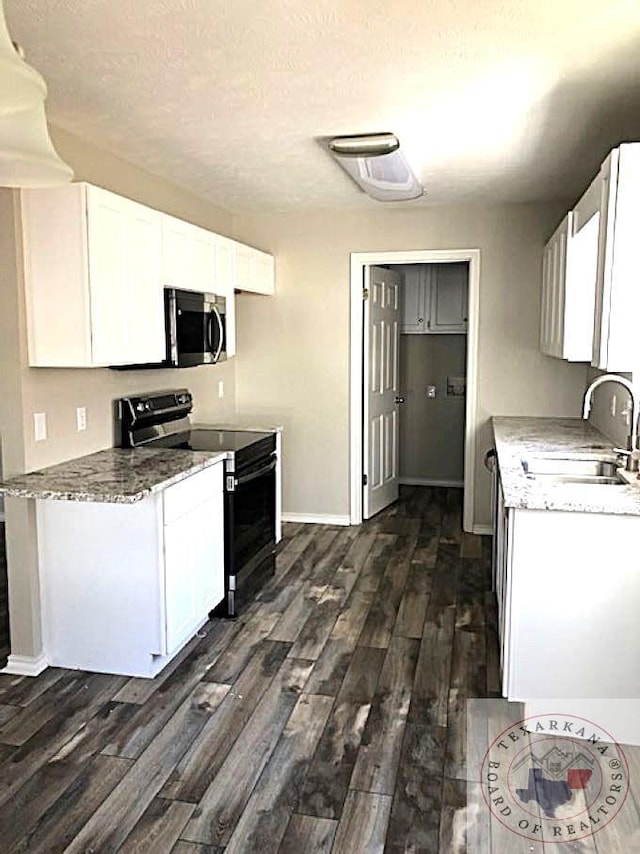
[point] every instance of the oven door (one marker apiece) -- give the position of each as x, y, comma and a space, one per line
195, 328
250, 536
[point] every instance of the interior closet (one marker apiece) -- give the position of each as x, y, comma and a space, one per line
432, 372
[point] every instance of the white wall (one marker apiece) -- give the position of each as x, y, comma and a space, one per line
293, 366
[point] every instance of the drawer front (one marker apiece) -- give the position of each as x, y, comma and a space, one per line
184, 496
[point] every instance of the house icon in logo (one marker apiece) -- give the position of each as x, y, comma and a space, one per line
553, 777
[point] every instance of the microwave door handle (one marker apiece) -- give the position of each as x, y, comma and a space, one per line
215, 313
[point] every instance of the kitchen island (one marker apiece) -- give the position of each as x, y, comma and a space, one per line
130, 553
566, 570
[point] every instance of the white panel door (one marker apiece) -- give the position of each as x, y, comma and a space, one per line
381, 342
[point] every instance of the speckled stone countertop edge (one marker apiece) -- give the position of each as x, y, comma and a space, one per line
518, 437
163, 468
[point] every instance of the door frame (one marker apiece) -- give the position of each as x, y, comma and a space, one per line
358, 261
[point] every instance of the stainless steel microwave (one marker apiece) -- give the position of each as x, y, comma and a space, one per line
195, 326
195, 331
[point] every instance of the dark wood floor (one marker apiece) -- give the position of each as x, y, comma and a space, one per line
330, 717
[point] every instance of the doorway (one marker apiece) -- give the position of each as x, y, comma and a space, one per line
360, 269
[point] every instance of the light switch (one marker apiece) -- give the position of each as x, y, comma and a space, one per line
220, 388
39, 426
81, 418
432, 391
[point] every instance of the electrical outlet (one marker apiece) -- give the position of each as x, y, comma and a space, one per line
39, 426
432, 391
81, 418
614, 404
220, 388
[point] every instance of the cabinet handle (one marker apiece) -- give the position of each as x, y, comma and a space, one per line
421, 320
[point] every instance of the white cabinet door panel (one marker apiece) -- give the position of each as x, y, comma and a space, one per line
127, 315
413, 298
254, 270
225, 278
449, 296
193, 553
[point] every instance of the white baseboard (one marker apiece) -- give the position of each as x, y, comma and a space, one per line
483, 530
316, 518
425, 481
26, 665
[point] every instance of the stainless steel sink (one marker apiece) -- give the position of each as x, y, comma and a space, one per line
566, 470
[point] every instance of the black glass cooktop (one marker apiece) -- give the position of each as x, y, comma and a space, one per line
210, 439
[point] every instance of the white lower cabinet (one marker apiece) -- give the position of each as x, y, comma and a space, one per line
124, 586
568, 591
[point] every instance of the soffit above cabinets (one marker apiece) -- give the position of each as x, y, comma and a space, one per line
492, 102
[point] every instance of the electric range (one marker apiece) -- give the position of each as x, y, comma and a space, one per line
161, 420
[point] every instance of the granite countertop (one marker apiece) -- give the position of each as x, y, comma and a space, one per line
116, 475
518, 438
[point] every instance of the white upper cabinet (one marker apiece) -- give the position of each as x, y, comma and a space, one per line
254, 270
188, 256
434, 298
615, 340
225, 280
568, 285
590, 296
92, 268
96, 265
554, 263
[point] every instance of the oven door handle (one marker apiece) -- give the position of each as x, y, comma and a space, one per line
215, 313
247, 478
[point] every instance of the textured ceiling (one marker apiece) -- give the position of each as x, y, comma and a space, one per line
498, 100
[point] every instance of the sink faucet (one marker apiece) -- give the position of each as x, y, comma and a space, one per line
635, 406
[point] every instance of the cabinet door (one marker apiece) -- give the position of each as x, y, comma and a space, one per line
254, 270
175, 254
225, 278
619, 350
608, 185
193, 553
127, 313
188, 256
449, 296
553, 291
580, 287
202, 247
413, 305
54, 223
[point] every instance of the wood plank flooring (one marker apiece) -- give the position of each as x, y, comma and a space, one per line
329, 718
